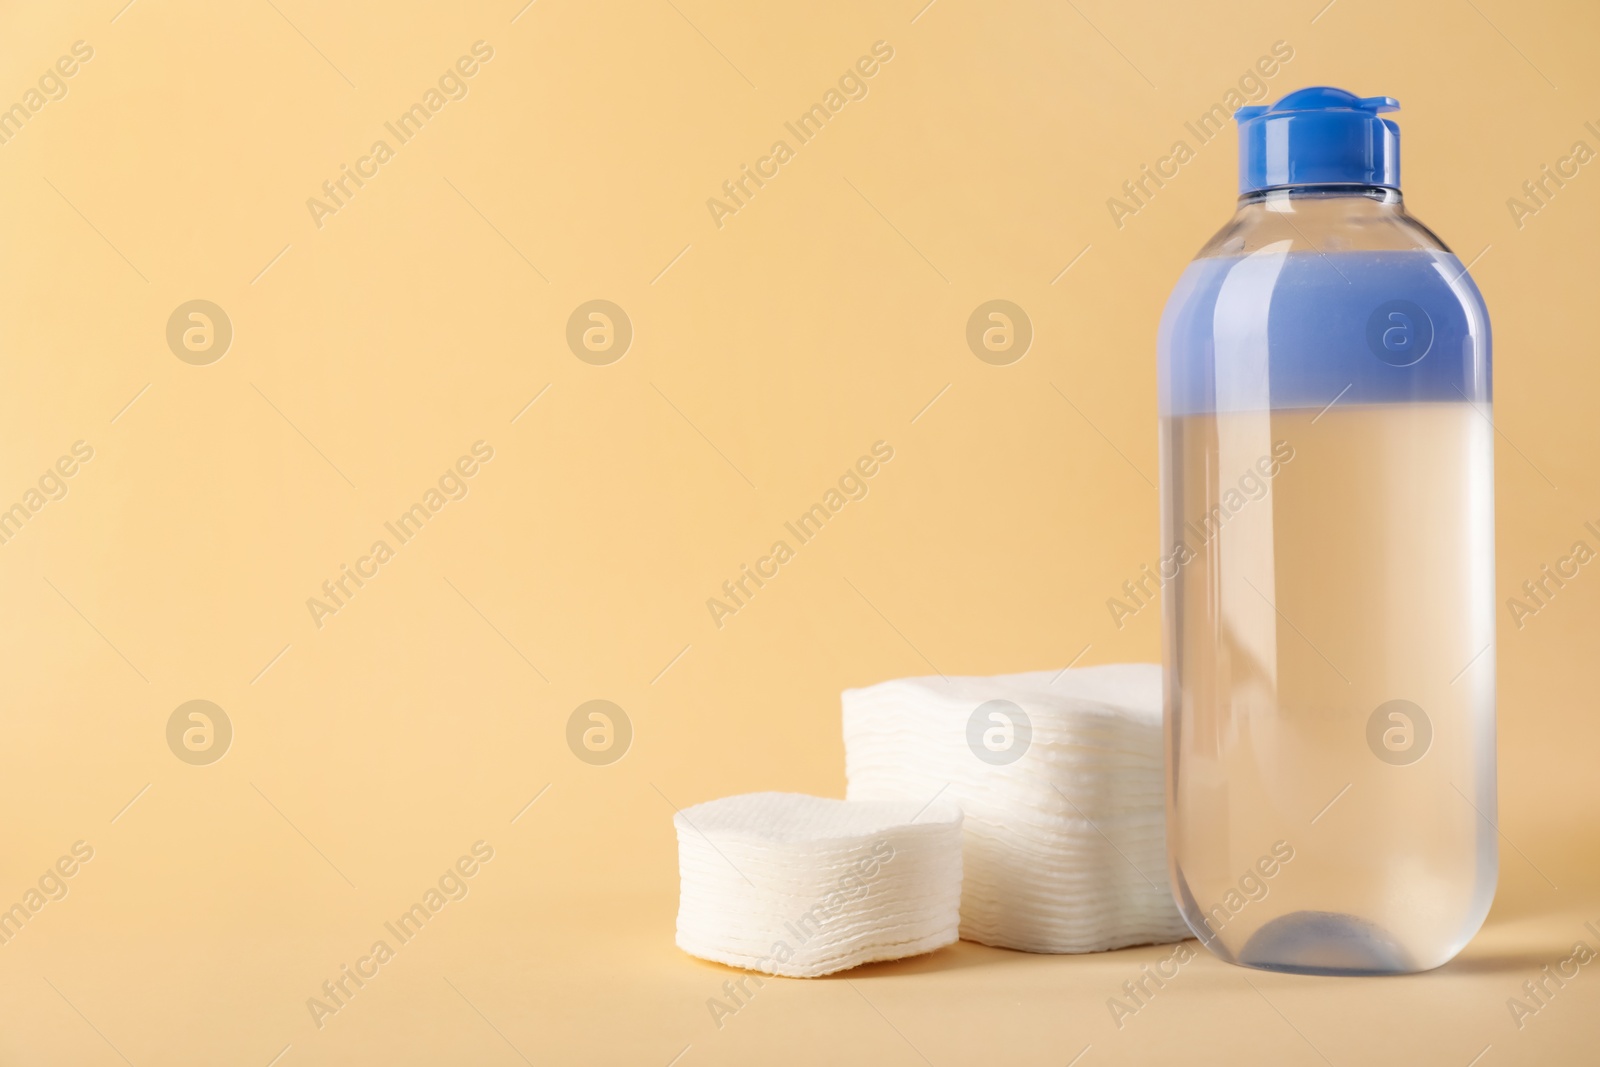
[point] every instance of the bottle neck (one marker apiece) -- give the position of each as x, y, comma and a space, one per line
1322, 218
1381, 194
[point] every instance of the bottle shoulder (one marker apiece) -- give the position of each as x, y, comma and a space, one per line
1289, 308
1322, 225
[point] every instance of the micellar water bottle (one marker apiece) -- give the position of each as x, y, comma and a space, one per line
1327, 519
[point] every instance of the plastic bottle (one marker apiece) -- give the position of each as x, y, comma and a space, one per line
1328, 563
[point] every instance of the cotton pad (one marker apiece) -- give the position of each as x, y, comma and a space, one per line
1061, 777
802, 886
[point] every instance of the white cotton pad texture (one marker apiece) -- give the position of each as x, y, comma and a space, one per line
803, 886
1064, 846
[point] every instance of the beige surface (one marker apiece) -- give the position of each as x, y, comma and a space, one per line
768, 354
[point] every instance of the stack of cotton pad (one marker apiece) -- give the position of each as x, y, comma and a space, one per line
802, 886
1064, 845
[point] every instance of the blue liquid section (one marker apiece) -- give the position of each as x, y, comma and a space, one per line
1296, 329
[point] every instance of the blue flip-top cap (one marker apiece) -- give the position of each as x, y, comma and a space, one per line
1318, 136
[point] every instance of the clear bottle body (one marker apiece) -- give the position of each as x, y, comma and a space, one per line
1328, 570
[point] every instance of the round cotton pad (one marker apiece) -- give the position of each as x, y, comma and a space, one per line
802, 886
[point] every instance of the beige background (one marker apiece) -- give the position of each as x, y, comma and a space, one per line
370, 353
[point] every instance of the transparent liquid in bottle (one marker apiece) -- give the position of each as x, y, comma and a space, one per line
1327, 571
